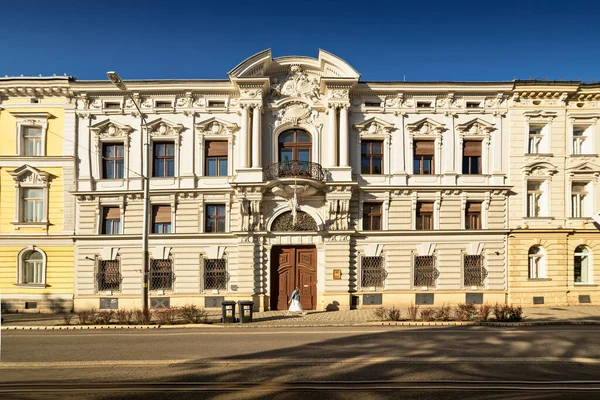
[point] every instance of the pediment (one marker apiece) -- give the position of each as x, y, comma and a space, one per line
374, 126
163, 127
584, 168
541, 168
108, 128
476, 126
540, 114
216, 126
426, 126
26, 174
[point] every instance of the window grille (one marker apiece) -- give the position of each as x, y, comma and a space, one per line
161, 275
215, 274
425, 271
108, 276
373, 273
475, 273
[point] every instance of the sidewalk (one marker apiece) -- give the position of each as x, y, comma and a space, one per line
571, 314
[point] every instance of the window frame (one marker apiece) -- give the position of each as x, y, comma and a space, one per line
100, 271
104, 160
218, 217
295, 146
27, 177
420, 216
469, 213
163, 224
470, 159
533, 204
421, 158
588, 264
21, 265
368, 216
103, 220
539, 272
225, 273
164, 276
218, 159
371, 156
434, 271
31, 120
164, 157
383, 273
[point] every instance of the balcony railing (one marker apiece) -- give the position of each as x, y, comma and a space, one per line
294, 169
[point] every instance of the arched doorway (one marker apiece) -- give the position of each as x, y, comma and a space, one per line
295, 145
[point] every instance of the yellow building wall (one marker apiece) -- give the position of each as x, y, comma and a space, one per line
54, 133
59, 270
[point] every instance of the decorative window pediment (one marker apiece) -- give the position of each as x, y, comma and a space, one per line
27, 175
540, 115
31, 132
163, 128
108, 129
374, 127
475, 127
31, 196
584, 170
542, 169
216, 126
426, 127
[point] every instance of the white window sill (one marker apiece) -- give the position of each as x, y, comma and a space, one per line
539, 154
18, 225
585, 155
538, 218
584, 284
539, 279
31, 285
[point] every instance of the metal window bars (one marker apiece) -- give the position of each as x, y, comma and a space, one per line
161, 274
373, 273
295, 168
474, 272
108, 275
425, 272
215, 274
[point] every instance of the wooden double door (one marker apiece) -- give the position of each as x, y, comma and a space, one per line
291, 267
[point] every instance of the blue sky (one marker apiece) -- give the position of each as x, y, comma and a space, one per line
382, 40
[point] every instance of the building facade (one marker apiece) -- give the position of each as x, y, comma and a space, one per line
37, 209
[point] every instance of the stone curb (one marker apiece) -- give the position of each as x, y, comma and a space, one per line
308, 325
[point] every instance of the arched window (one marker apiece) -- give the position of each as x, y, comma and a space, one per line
581, 266
537, 267
32, 267
295, 145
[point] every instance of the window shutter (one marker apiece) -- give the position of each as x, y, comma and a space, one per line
112, 213
472, 148
162, 214
425, 208
473, 207
424, 148
216, 149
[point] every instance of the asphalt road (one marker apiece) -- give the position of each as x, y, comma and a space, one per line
329, 363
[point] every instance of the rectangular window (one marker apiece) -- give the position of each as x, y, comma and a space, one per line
424, 216
163, 104
215, 274
579, 138
113, 159
215, 218
33, 205
473, 104
424, 104
161, 274
32, 141
161, 219
108, 276
536, 135
578, 199
216, 103
424, 154
534, 196
111, 221
372, 271
216, 158
372, 104
33, 270
111, 105
372, 216
164, 159
472, 158
425, 271
473, 216
474, 273
371, 157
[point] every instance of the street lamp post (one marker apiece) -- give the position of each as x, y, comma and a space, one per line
118, 82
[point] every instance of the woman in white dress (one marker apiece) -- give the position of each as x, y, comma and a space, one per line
295, 305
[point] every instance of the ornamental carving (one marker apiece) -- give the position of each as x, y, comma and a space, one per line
295, 112
476, 127
162, 127
183, 102
391, 102
340, 94
96, 104
284, 223
29, 176
425, 127
296, 83
200, 102
108, 130
374, 126
215, 126
252, 93
541, 169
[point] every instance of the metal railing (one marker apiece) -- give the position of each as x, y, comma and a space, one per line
108, 275
215, 274
373, 273
475, 273
294, 169
161, 274
425, 272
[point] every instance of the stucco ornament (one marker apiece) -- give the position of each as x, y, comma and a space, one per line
296, 83
340, 94
295, 112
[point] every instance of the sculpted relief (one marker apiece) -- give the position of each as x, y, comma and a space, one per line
296, 83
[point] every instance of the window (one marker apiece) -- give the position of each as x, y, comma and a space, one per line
536, 135
32, 141
32, 265
113, 158
161, 274
424, 216
163, 104
581, 265
372, 104
371, 157
216, 103
215, 274
473, 216
473, 104
471, 158
111, 221
578, 140
215, 218
164, 159
33, 205
295, 145
424, 104
536, 263
425, 271
424, 157
579, 200
474, 273
161, 219
371, 216
111, 105
216, 158
372, 271
108, 275
534, 196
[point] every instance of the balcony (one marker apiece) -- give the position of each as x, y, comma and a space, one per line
294, 169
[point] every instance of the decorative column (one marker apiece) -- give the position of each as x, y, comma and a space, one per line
344, 142
256, 137
332, 142
244, 137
